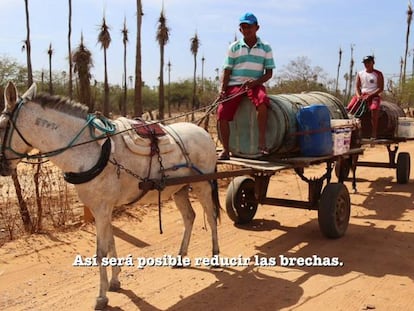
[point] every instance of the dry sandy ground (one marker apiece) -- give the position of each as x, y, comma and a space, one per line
375, 270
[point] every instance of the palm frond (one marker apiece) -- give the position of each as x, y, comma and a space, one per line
104, 37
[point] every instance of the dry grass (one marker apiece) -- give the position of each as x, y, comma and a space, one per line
60, 205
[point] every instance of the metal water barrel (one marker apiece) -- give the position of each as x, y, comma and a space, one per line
281, 132
387, 122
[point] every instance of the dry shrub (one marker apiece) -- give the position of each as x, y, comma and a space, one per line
58, 206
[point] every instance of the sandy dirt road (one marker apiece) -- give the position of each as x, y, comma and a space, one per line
371, 267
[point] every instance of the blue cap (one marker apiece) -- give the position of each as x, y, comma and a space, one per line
248, 18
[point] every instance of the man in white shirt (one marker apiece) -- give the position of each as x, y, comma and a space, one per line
368, 88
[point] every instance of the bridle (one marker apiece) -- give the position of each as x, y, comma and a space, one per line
106, 129
8, 133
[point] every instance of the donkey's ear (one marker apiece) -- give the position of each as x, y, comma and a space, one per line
31, 92
10, 96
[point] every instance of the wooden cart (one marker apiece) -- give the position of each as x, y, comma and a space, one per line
401, 161
249, 188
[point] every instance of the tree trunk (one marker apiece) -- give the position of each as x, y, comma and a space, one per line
407, 37
337, 73
28, 47
169, 92
50, 74
193, 105
138, 74
38, 198
350, 78
124, 101
85, 89
106, 88
24, 212
161, 87
70, 86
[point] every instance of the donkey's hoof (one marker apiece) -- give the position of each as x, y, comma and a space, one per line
114, 286
101, 303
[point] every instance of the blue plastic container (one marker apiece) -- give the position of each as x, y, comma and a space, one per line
314, 126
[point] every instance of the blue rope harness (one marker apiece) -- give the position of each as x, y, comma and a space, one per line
93, 121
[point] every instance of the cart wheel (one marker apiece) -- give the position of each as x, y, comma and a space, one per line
342, 168
334, 210
241, 203
403, 168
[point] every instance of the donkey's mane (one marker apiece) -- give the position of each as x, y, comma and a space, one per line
62, 104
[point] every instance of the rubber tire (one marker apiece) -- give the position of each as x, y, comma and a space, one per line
334, 210
403, 167
241, 202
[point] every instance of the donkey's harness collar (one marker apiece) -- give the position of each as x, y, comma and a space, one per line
83, 177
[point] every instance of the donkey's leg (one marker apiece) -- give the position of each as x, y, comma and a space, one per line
203, 191
184, 206
114, 284
104, 234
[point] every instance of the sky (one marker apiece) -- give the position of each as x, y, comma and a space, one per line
315, 29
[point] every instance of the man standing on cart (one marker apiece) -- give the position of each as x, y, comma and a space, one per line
249, 64
368, 88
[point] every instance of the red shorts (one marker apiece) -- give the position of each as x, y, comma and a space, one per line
228, 108
373, 105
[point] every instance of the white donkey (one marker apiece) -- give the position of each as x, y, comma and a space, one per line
93, 153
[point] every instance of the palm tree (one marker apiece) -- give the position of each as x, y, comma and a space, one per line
351, 67
162, 38
50, 53
104, 38
169, 88
195, 44
24, 212
23, 209
125, 41
138, 73
203, 59
346, 78
407, 36
82, 59
28, 47
70, 86
337, 71
401, 70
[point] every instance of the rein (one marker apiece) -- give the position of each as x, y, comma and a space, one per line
93, 121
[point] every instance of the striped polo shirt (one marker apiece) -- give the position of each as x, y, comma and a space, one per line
248, 63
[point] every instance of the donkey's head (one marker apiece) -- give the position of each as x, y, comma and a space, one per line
13, 146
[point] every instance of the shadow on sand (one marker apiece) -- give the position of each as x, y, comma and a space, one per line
365, 249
